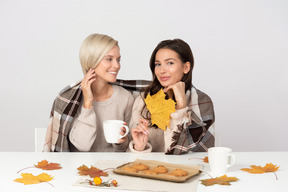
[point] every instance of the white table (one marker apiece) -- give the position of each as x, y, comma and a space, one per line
11, 162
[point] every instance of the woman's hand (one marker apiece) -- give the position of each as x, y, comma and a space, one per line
123, 132
89, 78
140, 135
178, 90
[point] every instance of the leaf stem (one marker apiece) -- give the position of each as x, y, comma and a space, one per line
275, 175
26, 168
50, 184
207, 173
195, 158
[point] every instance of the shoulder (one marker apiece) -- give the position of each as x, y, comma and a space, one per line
122, 94
72, 87
139, 101
202, 96
66, 95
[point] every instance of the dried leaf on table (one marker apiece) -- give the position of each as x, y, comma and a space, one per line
44, 165
223, 180
269, 167
205, 160
48, 166
160, 109
28, 178
92, 171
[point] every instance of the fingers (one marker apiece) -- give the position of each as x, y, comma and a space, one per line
143, 126
123, 131
89, 78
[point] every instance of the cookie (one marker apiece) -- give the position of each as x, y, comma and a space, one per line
130, 169
160, 169
140, 167
178, 173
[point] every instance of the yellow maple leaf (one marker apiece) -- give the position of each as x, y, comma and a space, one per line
160, 109
269, 167
28, 178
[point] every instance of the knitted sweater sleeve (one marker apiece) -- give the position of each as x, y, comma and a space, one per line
83, 132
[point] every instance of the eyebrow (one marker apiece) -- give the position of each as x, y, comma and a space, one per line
167, 59
111, 56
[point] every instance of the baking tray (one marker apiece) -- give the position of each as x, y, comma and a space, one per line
191, 170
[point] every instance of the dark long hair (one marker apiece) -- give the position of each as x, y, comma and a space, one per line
185, 54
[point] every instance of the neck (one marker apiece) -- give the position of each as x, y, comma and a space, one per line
101, 90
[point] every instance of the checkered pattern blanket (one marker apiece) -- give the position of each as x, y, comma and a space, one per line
197, 136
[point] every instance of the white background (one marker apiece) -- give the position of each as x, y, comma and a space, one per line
240, 49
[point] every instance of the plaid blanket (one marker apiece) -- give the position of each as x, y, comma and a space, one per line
68, 101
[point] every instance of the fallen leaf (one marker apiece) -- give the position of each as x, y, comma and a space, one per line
160, 109
28, 178
223, 180
205, 160
44, 165
92, 171
48, 166
269, 167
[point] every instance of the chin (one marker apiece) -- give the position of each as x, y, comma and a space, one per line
112, 80
165, 84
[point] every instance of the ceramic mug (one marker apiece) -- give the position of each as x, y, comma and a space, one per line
220, 159
112, 129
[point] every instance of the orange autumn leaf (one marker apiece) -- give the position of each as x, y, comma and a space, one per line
92, 171
223, 180
48, 166
28, 178
160, 109
205, 160
44, 165
269, 167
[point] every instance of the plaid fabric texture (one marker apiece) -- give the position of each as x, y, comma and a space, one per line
197, 136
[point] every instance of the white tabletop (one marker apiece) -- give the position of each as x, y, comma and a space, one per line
11, 162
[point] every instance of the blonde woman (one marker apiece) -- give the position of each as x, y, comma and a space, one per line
79, 111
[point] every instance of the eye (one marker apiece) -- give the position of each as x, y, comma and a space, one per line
157, 64
170, 63
109, 59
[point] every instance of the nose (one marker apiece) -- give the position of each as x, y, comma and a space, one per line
163, 69
116, 64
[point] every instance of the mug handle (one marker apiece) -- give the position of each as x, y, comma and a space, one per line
232, 160
127, 131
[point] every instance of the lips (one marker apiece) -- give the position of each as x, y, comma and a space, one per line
164, 78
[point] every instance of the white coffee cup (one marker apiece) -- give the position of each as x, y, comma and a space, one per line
220, 159
112, 129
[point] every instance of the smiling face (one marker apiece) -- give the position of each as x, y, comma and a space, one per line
169, 69
109, 66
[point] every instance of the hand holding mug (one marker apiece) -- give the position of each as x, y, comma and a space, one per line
113, 129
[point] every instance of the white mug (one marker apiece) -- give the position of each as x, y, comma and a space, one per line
220, 159
112, 129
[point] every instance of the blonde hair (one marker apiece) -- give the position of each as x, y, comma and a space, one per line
93, 49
